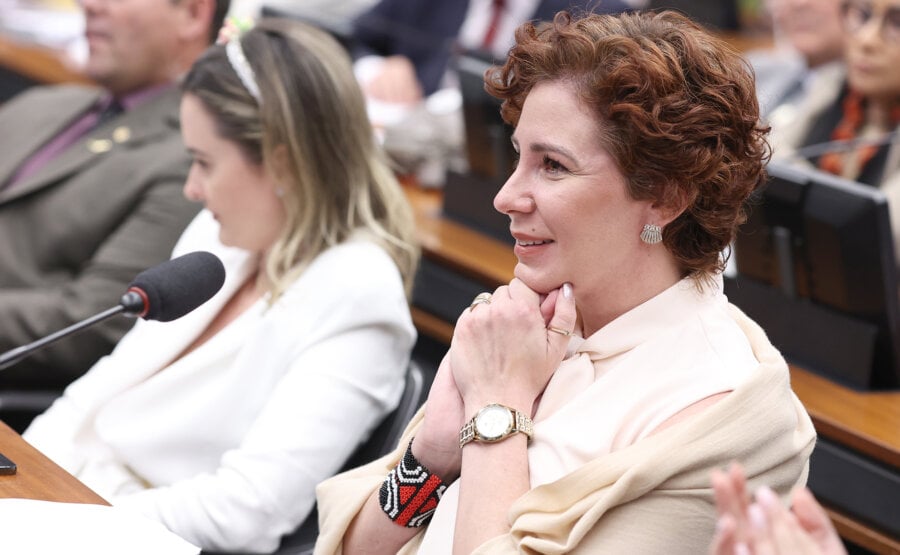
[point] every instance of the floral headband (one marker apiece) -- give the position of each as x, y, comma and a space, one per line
230, 36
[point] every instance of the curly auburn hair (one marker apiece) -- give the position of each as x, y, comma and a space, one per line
676, 107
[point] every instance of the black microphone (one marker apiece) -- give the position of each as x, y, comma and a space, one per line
164, 292
172, 289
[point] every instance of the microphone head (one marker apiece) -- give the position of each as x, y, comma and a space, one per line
172, 289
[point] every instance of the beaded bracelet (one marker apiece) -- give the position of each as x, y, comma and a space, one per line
410, 493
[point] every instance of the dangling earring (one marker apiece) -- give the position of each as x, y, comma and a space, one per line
651, 234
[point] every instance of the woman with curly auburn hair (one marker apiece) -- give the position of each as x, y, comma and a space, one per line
582, 407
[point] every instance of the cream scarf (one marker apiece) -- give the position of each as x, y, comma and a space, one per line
651, 497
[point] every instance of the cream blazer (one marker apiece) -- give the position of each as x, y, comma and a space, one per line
226, 445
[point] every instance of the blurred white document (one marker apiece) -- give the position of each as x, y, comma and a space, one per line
29, 527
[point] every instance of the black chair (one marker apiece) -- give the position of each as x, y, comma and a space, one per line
19, 407
382, 441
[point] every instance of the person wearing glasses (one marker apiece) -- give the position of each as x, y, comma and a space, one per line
809, 48
850, 127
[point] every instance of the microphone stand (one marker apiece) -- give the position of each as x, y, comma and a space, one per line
844, 145
131, 304
15, 355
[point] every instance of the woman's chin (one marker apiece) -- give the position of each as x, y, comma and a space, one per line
537, 282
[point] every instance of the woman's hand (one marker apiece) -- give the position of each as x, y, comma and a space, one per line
395, 82
436, 445
766, 527
505, 351
732, 502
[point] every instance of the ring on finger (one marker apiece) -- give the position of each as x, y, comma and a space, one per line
481, 298
560, 331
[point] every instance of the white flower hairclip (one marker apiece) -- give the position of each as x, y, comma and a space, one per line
230, 35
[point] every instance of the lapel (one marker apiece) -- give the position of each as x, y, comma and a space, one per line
158, 343
37, 119
128, 131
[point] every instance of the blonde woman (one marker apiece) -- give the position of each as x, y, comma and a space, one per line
220, 424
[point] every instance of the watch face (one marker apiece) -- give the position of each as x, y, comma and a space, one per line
493, 422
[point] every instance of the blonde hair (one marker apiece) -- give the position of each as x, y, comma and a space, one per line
312, 131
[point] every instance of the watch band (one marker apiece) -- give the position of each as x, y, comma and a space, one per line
520, 423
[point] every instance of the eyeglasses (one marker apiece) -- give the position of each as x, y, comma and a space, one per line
857, 15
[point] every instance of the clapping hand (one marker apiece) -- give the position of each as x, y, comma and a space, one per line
765, 526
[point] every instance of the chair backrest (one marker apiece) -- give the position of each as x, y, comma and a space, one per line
384, 438
19, 407
382, 441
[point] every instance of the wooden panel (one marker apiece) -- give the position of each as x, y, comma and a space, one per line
862, 535
456, 246
41, 64
432, 326
868, 422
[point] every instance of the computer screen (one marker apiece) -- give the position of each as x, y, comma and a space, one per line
817, 270
489, 150
469, 196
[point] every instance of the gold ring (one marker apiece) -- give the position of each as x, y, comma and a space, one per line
560, 331
481, 298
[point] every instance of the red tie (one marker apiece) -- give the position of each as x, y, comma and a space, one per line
492, 27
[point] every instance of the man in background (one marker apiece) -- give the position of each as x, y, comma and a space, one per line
406, 54
90, 182
808, 53
414, 41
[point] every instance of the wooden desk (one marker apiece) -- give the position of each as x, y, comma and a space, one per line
459, 248
37, 477
865, 422
43, 65
746, 42
868, 423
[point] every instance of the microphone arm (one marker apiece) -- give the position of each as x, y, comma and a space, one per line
131, 304
844, 145
164, 292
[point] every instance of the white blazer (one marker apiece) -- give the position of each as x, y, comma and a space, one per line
226, 445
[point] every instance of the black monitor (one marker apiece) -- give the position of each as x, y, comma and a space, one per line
469, 197
817, 270
723, 15
489, 150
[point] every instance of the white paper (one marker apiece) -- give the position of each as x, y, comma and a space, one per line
30, 527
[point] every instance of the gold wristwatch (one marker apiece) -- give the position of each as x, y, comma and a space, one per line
495, 422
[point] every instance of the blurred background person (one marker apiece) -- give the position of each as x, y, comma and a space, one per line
412, 43
849, 128
809, 48
220, 424
90, 183
582, 407
405, 52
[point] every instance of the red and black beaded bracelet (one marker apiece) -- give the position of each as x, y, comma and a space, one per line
410, 492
